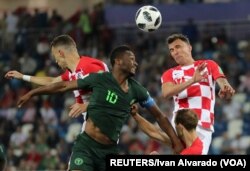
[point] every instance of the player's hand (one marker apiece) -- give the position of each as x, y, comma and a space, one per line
154, 153
77, 109
200, 73
23, 99
226, 92
13, 74
133, 109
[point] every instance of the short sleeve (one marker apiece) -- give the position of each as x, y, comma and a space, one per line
143, 97
65, 76
96, 67
142, 94
167, 76
215, 69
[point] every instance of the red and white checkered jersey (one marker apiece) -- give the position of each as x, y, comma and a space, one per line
199, 96
85, 66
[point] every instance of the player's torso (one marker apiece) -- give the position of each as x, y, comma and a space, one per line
204, 88
109, 106
109, 94
199, 96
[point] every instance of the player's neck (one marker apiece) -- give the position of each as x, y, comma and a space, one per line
189, 61
121, 79
72, 63
189, 137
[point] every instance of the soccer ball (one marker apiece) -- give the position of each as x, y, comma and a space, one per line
148, 18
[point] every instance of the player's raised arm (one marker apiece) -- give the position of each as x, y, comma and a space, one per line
49, 89
166, 127
170, 89
148, 128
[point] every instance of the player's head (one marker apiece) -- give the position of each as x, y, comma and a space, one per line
185, 119
61, 47
179, 48
123, 59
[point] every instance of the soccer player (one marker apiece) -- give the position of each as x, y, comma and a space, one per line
64, 50
186, 121
108, 109
192, 86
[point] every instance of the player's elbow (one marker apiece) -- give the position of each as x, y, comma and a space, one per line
166, 95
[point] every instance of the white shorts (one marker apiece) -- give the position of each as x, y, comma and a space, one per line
206, 137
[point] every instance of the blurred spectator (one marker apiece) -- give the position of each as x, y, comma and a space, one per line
85, 24
40, 19
55, 19
48, 114
25, 61
11, 29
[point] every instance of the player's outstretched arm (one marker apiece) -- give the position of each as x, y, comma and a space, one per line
148, 128
32, 79
166, 127
49, 89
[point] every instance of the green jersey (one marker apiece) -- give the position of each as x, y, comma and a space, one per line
109, 106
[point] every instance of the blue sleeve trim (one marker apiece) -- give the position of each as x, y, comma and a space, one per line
147, 103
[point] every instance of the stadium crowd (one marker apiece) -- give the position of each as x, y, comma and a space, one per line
40, 135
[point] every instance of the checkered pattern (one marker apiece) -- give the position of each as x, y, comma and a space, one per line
85, 66
200, 96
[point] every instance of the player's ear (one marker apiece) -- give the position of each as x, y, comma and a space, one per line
190, 47
118, 61
61, 53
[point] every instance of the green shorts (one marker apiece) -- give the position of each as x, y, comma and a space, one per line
89, 155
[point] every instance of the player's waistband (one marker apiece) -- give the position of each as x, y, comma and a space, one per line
85, 138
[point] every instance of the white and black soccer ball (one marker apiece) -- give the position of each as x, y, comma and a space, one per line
148, 18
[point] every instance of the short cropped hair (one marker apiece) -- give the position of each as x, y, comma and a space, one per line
63, 40
117, 52
176, 36
187, 117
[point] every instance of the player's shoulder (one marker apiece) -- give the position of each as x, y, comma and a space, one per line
170, 70
134, 82
100, 74
208, 61
103, 75
88, 59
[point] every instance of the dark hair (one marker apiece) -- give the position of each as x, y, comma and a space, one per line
63, 40
176, 36
187, 117
117, 52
